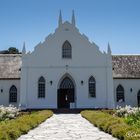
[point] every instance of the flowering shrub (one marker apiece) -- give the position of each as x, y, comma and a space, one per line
126, 111
9, 112
130, 114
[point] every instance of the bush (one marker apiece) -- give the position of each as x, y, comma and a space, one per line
12, 129
126, 111
111, 112
112, 125
130, 114
10, 112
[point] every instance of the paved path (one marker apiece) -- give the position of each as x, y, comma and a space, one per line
66, 127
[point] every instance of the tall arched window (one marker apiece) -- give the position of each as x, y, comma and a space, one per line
120, 93
41, 87
92, 87
66, 50
13, 94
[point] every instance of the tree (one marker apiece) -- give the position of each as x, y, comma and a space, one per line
11, 50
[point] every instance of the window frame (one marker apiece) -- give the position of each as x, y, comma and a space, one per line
13, 94
41, 87
120, 93
92, 87
66, 50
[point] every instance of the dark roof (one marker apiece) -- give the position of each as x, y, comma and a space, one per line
126, 66
10, 66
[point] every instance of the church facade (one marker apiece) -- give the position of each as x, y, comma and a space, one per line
66, 70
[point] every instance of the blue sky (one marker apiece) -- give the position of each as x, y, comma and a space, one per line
116, 21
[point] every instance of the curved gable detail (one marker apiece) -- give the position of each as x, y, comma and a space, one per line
49, 51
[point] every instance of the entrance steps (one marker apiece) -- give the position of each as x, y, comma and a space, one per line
68, 111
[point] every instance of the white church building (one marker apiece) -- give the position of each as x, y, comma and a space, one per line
66, 70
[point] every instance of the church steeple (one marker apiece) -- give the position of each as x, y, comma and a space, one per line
24, 49
73, 18
60, 18
109, 49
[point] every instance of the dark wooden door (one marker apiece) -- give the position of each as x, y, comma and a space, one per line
70, 93
63, 99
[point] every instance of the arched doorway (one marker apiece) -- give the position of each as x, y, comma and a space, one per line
65, 94
138, 98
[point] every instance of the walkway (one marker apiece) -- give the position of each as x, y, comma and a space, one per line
66, 127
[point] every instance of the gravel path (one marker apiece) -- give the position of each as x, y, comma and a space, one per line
66, 127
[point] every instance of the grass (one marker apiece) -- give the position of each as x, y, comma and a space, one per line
12, 129
113, 125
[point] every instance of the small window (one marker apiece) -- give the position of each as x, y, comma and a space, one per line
92, 87
13, 94
120, 93
66, 50
41, 87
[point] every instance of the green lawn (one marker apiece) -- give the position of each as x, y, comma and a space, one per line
12, 129
112, 124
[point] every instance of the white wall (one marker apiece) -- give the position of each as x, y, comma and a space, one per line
46, 60
130, 97
50, 74
5, 85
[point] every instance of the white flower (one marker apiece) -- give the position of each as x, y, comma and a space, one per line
8, 112
127, 110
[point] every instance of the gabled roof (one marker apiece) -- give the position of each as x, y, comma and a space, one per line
10, 66
124, 66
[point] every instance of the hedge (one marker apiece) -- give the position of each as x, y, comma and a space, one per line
12, 129
111, 124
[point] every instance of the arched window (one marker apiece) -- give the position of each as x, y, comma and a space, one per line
13, 94
66, 50
67, 83
92, 87
41, 87
120, 93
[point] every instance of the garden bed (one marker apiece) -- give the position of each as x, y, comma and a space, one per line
112, 124
12, 129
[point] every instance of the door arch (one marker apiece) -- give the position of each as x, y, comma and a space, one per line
138, 98
65, 93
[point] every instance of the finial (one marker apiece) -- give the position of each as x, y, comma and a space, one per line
109, 49
73, 18
24, 49
60, 18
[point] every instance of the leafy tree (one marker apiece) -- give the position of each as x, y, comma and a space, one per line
11, 50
